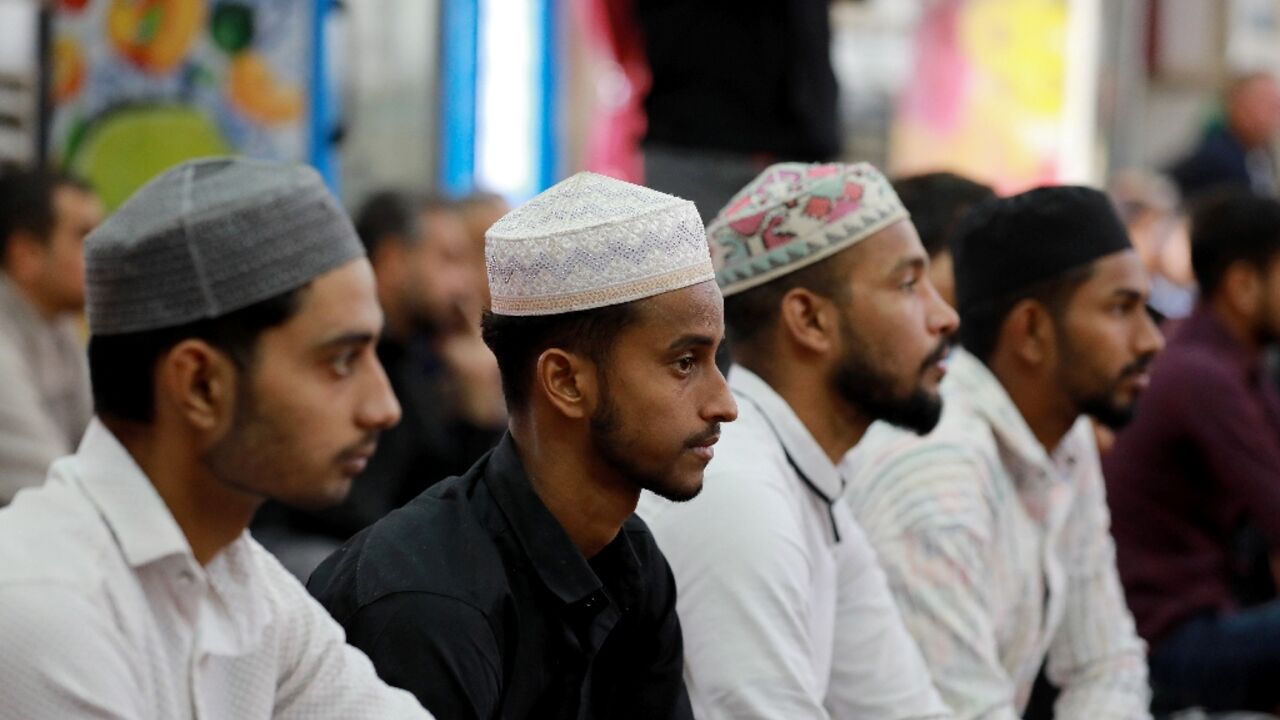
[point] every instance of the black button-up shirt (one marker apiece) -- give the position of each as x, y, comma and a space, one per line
473, 598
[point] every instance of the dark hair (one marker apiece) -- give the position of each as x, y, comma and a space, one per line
26, 202
395, 214
980, 324
518, 341
122, 367
1231, 226
750, 312
384, 215
936, 202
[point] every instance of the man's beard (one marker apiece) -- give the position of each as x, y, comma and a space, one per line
609, 440
857, 382
1104, 408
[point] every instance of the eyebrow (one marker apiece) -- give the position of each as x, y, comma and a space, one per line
1128, 294
348, 339
914, 261
684, 342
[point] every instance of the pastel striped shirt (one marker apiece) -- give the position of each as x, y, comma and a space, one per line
999, 556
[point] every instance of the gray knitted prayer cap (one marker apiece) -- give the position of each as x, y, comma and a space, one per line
212, 236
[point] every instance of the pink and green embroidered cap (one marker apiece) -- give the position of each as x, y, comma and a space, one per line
794, 215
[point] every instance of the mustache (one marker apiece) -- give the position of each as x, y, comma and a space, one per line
365, 447
1137, 367
939, 354
704, 437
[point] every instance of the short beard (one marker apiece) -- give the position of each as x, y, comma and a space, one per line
1102, 406
608, 440
858, 383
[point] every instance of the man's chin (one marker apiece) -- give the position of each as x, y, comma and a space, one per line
676, 491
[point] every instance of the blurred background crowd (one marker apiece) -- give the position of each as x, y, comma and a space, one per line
431, 118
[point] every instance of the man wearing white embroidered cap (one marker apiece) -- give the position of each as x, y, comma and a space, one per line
527, 588
833, 324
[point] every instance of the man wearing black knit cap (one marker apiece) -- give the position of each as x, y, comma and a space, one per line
993, 530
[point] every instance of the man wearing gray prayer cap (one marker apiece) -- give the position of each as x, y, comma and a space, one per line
232, 319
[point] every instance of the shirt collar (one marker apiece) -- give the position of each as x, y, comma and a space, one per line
800, 445
971, 382
128, 502
556, 560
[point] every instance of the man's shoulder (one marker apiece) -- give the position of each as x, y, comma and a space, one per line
962, 438
53, 534
900, 481
434, 545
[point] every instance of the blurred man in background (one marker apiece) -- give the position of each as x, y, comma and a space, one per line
44, 381
721, 112
447, 381
1201, 461
1237, 150
993, 528
480, 211
937, 201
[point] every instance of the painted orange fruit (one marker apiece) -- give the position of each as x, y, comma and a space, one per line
155, 35
68, 69
255, 91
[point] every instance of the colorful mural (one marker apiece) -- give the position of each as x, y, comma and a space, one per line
990, 91
140, 85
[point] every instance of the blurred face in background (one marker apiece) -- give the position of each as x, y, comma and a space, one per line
51, 269
480, 214
429, 278
1254, 110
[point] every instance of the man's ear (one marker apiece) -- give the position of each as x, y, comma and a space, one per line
197, 382
388, 260
810, 320
568, 381
1028, 330
1242, 287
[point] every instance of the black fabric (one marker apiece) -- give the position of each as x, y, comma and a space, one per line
1008, 244
1218, 161
428, 445
745, 77
473, 598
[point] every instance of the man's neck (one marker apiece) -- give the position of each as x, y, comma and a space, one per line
835, 425
587, 498
1043, 405
210, 514
32, 299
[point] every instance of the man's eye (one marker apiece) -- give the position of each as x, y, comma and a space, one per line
341, 364
686, 364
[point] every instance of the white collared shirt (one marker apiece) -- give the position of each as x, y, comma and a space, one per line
106, 613
1000, 555
784, 611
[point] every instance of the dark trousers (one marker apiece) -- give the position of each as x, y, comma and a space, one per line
1220, 663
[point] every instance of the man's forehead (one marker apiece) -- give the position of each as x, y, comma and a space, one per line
1118, 272
696, 308
895, 246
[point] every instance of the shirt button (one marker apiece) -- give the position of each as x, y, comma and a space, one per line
592, 602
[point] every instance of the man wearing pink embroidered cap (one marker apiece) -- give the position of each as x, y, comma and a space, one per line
833, 324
